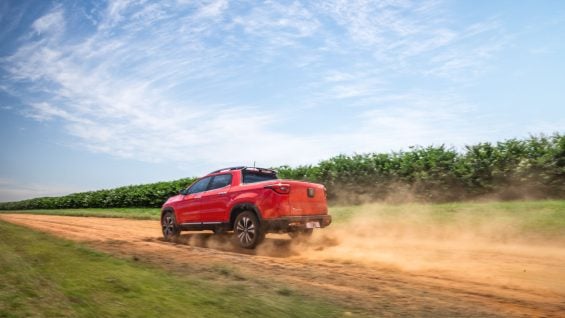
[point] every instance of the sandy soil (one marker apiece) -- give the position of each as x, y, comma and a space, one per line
371, 274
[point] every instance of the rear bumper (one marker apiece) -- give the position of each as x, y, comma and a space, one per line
290, 223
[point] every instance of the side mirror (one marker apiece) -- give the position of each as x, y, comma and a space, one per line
183, 192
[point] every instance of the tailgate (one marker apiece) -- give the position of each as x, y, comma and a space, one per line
307, 198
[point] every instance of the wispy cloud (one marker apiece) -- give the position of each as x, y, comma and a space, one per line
413, 118
399, 34
167, 81
279, 23
51, 22
213, 9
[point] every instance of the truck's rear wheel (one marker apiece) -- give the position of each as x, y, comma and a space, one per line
247, 230
171, 230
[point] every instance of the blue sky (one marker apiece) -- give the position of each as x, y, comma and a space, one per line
108, 93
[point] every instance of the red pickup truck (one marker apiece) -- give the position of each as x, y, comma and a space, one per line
248, 201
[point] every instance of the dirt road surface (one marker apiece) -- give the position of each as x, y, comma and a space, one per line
369, 274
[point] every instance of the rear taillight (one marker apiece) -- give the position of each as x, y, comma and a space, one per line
279, 188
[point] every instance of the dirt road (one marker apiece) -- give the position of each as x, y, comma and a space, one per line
381, 274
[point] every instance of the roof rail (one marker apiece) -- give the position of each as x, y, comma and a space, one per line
242, 168
228, 169
261, 169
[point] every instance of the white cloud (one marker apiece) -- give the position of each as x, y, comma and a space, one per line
115, 11
146, 83
279, 24
213, 9
400, 33
412, 118
44, 111
52, 22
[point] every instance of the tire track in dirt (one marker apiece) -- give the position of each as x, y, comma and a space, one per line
365, 288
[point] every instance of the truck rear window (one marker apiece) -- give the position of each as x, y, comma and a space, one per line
251, 176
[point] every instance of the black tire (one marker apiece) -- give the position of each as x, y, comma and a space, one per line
247, 230
171, 230
301, 234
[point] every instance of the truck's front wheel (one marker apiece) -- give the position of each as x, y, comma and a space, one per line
247, 230
171, 231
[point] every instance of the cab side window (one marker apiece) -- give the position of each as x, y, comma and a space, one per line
199, 186
220, 181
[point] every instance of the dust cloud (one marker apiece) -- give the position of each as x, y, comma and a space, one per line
488, 248
482, 248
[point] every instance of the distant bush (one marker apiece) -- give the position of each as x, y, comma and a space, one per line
510, 169
146, 195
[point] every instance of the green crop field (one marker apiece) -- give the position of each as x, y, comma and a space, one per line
43, 276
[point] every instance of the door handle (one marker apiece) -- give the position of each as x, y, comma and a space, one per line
222, 193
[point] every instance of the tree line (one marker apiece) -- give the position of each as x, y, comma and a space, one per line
145, 195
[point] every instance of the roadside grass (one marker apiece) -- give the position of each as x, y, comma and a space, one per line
541, 218
44, 276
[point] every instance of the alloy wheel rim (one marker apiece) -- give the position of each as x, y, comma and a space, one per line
168, 225
246, 230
